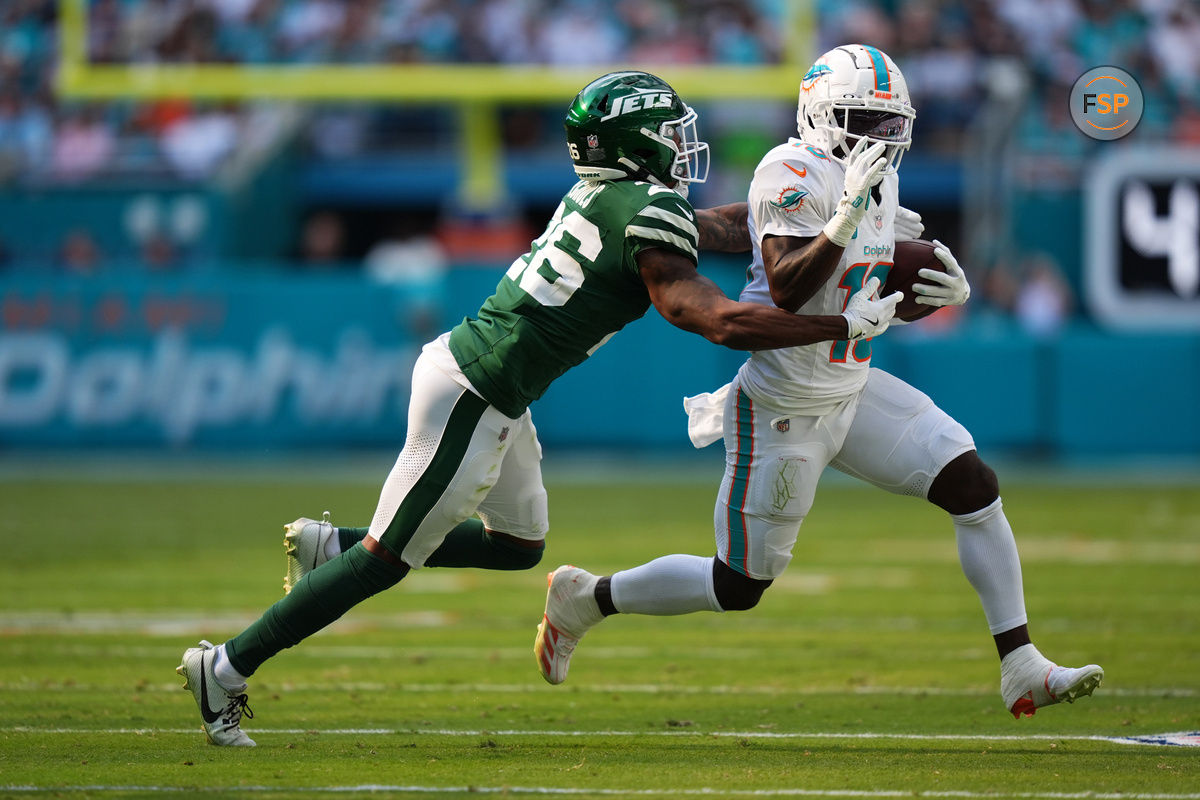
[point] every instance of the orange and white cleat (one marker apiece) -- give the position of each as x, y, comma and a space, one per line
1029, 681
571, 609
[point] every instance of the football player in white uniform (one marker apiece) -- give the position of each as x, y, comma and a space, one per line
823, 221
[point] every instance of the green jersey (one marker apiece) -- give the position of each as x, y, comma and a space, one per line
577, 286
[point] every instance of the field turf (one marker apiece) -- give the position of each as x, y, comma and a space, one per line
866, 672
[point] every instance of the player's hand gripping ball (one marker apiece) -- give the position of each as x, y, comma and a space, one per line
942, 284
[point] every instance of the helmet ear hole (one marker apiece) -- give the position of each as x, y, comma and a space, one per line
644, 155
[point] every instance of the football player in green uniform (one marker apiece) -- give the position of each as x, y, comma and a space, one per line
466, 491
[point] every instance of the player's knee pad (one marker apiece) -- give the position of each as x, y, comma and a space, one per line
756, 532
735, 591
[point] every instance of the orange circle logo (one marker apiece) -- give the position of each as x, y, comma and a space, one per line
1106, 103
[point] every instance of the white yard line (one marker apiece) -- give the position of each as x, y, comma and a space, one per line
190, 623
800, 735
584, 792
588, 688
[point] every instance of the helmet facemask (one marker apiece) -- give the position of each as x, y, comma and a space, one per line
844, 122
690, 164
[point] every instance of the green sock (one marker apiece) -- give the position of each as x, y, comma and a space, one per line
317, 599
348, 537
471, 545
468, 545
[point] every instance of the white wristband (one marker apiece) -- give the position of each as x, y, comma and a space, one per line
840, 229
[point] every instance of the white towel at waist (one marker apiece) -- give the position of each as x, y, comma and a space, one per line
706, 415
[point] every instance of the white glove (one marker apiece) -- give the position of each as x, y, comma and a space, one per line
867, 315
908, 225
864, 169
949, 288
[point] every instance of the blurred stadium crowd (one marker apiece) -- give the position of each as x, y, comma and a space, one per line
424, 31
953, 54
946, 49
42, 137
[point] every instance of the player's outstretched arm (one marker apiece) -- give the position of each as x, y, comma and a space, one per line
723, 228
688, 300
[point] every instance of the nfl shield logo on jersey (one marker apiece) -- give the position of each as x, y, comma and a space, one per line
879, 222
504, 433
593, 140
782, 425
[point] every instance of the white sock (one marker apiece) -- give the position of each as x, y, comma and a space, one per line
333, 546
1025, 657
227, 676
676, 584
988, 554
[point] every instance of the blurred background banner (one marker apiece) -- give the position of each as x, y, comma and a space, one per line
232, 223
205, 360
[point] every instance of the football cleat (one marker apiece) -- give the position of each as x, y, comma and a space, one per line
304, 540
1029, 681
571, 609
221, 708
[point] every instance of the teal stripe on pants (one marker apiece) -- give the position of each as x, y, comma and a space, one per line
740, 486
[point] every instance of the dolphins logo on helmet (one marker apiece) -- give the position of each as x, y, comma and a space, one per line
852, 92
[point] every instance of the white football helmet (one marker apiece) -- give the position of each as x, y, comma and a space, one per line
855, 91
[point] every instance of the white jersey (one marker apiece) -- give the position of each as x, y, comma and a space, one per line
795, 191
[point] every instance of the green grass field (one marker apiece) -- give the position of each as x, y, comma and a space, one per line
866, 672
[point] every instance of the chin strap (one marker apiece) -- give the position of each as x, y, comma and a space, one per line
680, 188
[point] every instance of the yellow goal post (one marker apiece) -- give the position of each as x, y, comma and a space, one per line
475, 89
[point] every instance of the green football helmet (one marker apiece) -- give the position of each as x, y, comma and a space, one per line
632, 125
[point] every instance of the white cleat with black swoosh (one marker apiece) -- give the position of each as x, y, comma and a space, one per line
221, 708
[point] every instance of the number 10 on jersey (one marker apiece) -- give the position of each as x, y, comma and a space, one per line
853, 279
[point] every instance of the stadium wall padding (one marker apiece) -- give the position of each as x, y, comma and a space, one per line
276, 359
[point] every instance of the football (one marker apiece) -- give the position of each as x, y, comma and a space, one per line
909, 257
